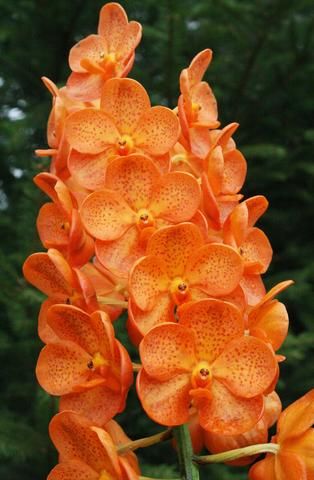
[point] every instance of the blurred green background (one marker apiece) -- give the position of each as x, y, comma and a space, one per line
262, 76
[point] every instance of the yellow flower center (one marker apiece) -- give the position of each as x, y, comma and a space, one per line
201, 375
125, 145
105, 475
179, 290
97, 361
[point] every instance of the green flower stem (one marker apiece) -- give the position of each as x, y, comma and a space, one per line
237, 453
188, 470
150, 478
145, 442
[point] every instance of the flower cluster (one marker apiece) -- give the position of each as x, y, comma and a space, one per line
146, 214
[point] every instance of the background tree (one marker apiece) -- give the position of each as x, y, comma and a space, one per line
262, 76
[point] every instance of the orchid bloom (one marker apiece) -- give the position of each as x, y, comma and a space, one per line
177, 268
206, 360
59, 223
97, 58
137, 202
125, 123
87, 451
295, 440
85, 364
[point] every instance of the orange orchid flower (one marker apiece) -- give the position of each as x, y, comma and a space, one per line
125, 123
138, 201
88, 452
206, 360
179, 267
295, 440
59, 224
197, 106
252, 244
97, 58
86, 365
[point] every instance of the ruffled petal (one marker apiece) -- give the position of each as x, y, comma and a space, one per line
85, 87
270, 324
112, 23
234, 173
51, 225
264, 469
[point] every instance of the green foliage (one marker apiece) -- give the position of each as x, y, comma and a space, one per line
263, 63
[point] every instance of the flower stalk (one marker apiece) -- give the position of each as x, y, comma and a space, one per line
188, 469
145, 442
237, 453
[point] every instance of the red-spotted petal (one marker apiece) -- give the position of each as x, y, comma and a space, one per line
226, 413
125, 100
168, 350
167, 402
214, 323
106, 215
247, 366
215, 268
157, 131
90, 131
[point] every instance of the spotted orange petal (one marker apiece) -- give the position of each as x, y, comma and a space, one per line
167, 402
204, 98
88, 170
174, 245
73, 469
98, 404
270, 324
256, 252
85, 86
215, 268
168, 350
50, 273
62, 366
76, 439
234, 174
173, 191
112, 23
253, 288
125, 100
214, 324
196, 70
157, 131
134, 177
227, 414
148, 279
90, 131
139, 321
119, 255
200, 141
106, 215
51, 225
93, 48
247, 367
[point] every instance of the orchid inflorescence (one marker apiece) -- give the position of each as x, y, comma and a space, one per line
146, 215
